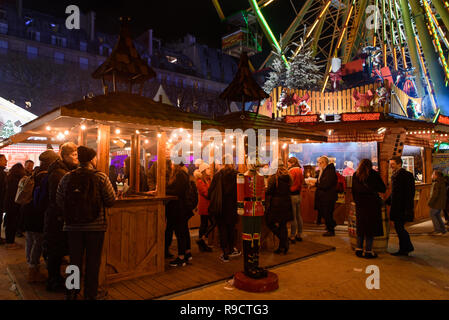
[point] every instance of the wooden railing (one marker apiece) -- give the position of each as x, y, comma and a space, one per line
321, 103
337, 102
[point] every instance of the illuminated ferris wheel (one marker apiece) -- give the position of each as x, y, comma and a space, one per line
399, 38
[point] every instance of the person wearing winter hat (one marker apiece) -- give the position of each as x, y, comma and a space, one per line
34, 217
86, 235
55, 240
203, 179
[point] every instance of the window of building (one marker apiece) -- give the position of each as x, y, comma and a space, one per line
83, 46
3, 46
34, 35
3, 28
59, 41
84, 63
59, 57
32, 52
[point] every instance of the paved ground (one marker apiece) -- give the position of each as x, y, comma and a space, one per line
335, 275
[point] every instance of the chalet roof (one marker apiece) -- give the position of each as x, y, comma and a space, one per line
126, 108
243, 87
124, 61
258, 121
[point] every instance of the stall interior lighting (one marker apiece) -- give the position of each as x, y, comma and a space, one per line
83, 127
159, 135
48, 128
117, 131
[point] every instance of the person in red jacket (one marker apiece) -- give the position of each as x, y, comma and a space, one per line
295, 172
203, 180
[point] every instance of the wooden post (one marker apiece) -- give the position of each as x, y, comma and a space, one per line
161, 165
104, 132
82, 137
103, 146
134, 170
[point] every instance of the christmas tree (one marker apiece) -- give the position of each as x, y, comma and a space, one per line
7, 130
302, 73
277, 76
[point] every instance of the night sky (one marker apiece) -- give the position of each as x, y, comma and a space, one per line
172, 19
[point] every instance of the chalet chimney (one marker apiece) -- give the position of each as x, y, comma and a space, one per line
150, 42
91, 25
19, 4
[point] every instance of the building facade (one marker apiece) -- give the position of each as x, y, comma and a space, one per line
43, 64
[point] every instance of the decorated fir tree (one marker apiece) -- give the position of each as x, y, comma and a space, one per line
277, 76
7, 130
302, 73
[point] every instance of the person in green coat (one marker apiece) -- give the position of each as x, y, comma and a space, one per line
437, 202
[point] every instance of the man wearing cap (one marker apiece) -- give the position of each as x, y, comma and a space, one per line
34, 217
87, 237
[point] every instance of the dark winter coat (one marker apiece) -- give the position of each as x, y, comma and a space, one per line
279, 203
54, 223
33, 219
326, 187
368, 204
438, 194
227, 178
2, 189
402, 196
176, 209
11, 207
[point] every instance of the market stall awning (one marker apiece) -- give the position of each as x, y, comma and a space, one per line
254, 121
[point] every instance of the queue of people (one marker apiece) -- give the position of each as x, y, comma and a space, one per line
62, 205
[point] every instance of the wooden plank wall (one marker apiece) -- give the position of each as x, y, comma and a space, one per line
328, 102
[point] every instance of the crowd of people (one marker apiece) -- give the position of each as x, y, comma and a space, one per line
60, 205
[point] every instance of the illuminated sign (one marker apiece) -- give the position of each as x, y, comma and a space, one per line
360, 116
310, 118
443, 119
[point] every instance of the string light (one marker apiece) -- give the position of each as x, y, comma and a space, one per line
83, 127
159, 135
137, 132
66, 132
146, 141
48, 128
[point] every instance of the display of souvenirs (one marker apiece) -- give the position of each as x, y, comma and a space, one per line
362, 100
349, 170
335, 74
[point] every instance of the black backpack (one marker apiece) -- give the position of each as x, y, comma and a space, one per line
82, 202
191, 196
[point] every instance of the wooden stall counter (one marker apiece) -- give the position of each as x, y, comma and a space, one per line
309, 214
134, 240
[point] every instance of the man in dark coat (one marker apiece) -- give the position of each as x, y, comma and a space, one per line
3, 163
402, 204
326, 194
55, 240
